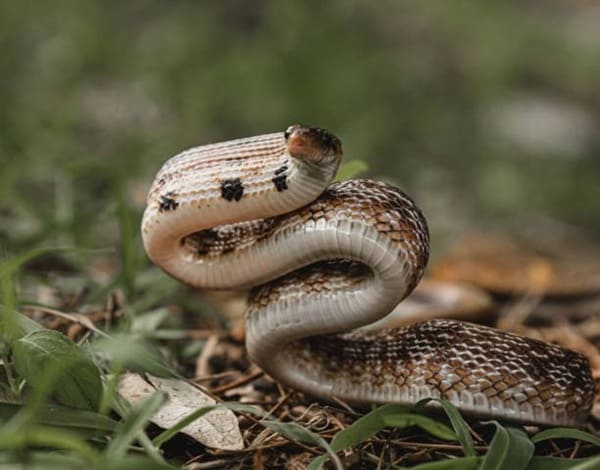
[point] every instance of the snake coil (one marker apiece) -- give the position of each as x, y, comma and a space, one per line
325, 259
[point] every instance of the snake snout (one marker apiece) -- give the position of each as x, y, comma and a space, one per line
312, 143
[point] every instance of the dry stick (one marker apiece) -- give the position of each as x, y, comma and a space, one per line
280, 389
425, 445
557, 450
202, 360
208, 465
575, 449
561, 452
262, 403
282, 443
73, 317
380, 460
238, 383
478, 438
279, 404
337, 422
404, 456
217, 376
344, 405
77, 299
287, 440
258, 462
113, 305
589, 328
307, 409
177, 335
513, 316
314, 422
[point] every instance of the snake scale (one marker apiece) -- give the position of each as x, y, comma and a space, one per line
324, 259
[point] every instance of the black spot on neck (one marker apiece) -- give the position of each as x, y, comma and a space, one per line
280, 182
167, 202
280, 170
232, 189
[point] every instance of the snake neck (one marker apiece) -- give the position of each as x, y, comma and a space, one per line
219, 187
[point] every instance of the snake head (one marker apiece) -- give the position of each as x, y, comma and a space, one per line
312, 144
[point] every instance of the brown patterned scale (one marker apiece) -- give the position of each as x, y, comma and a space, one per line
325, 259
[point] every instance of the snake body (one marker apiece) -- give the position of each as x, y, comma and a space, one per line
325, 259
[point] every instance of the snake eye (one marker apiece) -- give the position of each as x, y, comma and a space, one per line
327, 138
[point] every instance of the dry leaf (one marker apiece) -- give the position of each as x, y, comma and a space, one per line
218, 429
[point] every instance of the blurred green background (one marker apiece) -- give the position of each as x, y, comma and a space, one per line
486, 112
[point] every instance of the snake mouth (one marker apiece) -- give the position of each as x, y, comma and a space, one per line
312, 143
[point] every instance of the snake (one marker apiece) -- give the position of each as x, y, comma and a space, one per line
322, 259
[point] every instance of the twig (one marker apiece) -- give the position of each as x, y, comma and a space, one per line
220, 375
73, 317
238, 383
202, 367
575, 449
426, 445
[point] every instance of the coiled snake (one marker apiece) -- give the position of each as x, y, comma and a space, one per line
329, 258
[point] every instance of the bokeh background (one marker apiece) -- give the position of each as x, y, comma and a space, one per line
488, 113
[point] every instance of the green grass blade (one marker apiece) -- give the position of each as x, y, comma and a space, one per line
129, 351
388, 416
510, 449
151, 450
296, 432
134, 424
435, 428
15, 325
363, 428
128, 232
589, 464
61, 416
318, 463
558, 463
462, 463
41, 436
458, 424
42, 460
135, 462
366, 426
566, 433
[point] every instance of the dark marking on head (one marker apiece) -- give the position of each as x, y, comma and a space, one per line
280, 182
232, 189
167, 202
